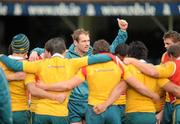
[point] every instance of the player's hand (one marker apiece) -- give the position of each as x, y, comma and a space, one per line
123, 25
98, 109
60, 97
33, 56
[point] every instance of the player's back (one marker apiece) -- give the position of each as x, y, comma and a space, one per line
102, 78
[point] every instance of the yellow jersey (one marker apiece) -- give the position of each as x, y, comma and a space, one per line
101, 79
137, 102
18, 92
55, 69
167, 70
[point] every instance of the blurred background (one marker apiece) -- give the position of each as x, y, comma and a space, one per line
41, 20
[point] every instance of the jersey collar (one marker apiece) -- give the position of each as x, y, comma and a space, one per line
16, 57
58, 55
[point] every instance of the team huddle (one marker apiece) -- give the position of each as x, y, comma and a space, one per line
102, 84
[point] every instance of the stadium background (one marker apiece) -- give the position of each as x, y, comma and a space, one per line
42, 19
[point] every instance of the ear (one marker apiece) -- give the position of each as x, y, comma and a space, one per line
49, 54
75, 42
25, 55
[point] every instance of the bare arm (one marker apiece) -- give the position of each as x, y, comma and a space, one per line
117, 91
115, 94
44, 94
148, 69
141, 88
61, 86
172, 88
16, 76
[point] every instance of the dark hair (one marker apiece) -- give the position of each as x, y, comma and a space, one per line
137, 49
100, 46
122, 50
78, 32
174, 50
55, 45
175, 36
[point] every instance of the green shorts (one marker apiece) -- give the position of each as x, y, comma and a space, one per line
122, 114
110, 116
47, 119
168, 113
21, 117
140, 118
77, 111
176, 115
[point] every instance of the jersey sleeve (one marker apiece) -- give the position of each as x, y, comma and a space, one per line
79, 62
4, 68
120, 38
31, 67
166, 70
12, 63
162, 82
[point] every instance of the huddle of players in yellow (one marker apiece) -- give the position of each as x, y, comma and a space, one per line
118, 92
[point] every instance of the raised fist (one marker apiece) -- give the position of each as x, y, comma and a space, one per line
123, 25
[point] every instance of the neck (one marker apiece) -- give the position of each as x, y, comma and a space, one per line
79, 52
